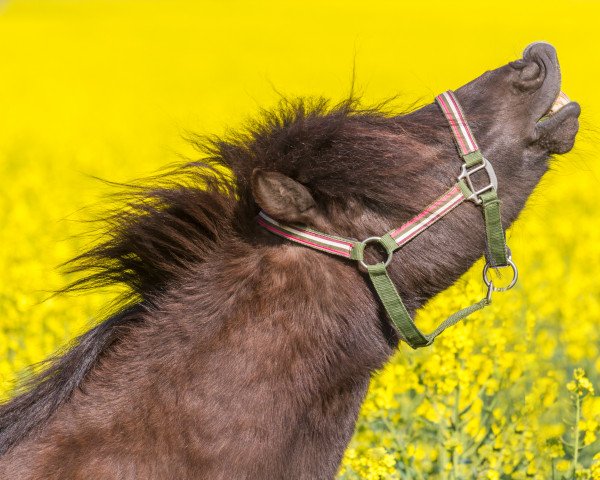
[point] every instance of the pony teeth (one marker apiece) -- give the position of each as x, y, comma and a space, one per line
560, 102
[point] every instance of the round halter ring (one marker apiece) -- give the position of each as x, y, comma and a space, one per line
491, 286
378, 240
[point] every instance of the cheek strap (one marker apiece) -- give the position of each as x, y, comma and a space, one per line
474, 161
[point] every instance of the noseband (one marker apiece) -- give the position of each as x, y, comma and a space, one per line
497, 252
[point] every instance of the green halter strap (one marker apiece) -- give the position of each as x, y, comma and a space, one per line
497, 252
474, 161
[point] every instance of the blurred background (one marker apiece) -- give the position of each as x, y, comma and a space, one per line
99, 88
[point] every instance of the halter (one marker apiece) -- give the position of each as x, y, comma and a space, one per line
497, 252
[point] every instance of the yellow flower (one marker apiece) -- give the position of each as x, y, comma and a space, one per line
492, 475
580, 385
595, 467
589, 438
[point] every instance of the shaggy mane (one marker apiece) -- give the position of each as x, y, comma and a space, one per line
175, 220
159, 230
165, 223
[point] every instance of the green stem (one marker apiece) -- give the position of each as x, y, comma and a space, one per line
576, 433
441, 434
455, 420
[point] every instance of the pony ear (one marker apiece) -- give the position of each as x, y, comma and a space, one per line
281, 197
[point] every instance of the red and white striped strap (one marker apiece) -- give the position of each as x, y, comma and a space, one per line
440, 207
465, 140
308, 237
345, 247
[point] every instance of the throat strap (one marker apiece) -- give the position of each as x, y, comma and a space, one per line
397, 312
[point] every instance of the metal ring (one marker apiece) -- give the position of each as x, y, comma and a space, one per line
489, 283
366, 241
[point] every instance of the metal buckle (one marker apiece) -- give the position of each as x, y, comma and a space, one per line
465, 173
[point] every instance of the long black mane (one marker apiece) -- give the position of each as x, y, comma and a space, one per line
177, 219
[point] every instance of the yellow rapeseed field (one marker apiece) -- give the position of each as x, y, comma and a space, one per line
108, 88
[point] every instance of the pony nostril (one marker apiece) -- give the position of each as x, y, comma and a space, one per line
530, 72
531, 76
539, 60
